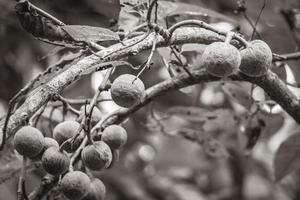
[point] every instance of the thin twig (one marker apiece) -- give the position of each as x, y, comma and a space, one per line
22, 178
258, 18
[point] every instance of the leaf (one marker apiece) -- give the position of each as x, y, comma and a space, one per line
211, 146
194, 114
238, 93
287, 157
175, 12
210, 121
91, 33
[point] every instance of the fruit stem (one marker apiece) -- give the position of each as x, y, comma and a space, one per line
229, 37
21, 184
206, 26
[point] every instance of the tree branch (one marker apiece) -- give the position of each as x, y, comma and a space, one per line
270, 83
275, 88
83, 67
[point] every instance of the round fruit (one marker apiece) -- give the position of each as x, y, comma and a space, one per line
55, 162
29, 141
126, 91
115, 136
96, 115
50, 142
75, 185
256, 59
66, 130
221, 59
97, 190
96, 156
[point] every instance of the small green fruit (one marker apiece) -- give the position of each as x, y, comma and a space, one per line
256, 59
97, 190
221, 59
126, 91
75, 185
97, 156
55, 162
66, 130
115, 136
29, 141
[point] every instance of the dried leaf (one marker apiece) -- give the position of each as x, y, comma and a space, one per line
91, 33
287, 158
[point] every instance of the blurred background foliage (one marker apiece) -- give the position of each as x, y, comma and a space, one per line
189, 144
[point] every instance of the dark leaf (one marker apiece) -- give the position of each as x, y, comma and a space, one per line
90, 33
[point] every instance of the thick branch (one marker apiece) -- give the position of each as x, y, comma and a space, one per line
83, 67
275, 88
270, 82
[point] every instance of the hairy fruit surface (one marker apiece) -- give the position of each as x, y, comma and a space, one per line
256, 59
97, 156
221, 59
66, 130
97, 190
115, 136
50, 142
75, 185
126, 91
29, 141
55, 162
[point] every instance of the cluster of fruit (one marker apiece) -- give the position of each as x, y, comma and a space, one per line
53, 153
222, 59
100, 153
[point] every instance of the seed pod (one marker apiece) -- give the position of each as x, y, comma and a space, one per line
126, 91
75, 185
221, 59
96, 115
256, 59
29, 141
96, 156
97, 190
65, 130
115, 136
55, 162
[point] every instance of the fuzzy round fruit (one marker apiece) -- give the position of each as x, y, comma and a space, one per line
126, 91
97, 190
256, 59
96, 156
96, 115
29, 141
221, 59
75, 185
50, 142
65, 130
115, 136
55, 162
